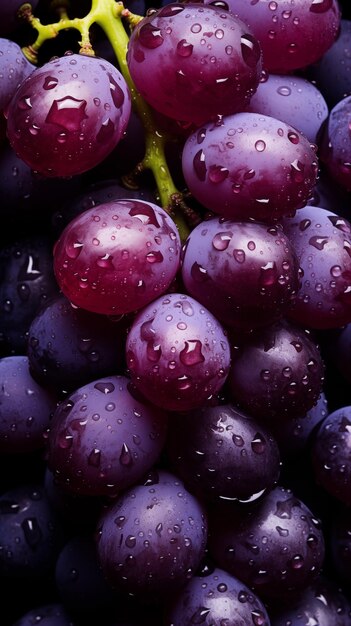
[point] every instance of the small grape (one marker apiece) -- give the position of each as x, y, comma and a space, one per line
68, 115
14, 68
177, 353
335, 151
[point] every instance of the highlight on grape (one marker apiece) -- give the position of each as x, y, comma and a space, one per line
175, 313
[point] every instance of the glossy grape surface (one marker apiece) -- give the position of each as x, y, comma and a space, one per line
46, 615
217, 598
222, 454
275, 546
117, 257
292, 36
322, 242
152, 539
276, 372
335, 151
14, 68
249, 166
178, 354
102, 439
235, 268
68, 115
193, 63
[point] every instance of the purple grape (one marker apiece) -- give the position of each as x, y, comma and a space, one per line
340, 544
321, 603
276, 372
46, 615
102, 439
201, 62
68, 115
31, 534
26, 408
118, 257
217, 598
221, 453
237, 268
292, 99
335, 151
322, 242
177, 353
152, 538
339, 351
250, 166
275, 546
331, 454
69, 347
14, 68
292, 36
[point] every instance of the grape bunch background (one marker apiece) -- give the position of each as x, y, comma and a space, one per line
160, 477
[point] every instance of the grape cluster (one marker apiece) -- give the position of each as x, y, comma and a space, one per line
175, 304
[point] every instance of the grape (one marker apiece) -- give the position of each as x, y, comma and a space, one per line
102, 439
335, 150
26, 282
68, 115
340, 548
250, 166
201, 62
151, 540
331, 457
276, 372
69, 347
25, 408
217, 598
118, 257
336, 63
177, 353
14, 68
221, 453
292, 36
322, 242
47, 615
236, 268
274, 545
293, 100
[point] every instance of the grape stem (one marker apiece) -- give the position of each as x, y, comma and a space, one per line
109, 14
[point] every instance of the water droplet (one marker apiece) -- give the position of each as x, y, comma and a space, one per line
286, 15
192, 354
153, 352
297, 171
258, 444
239, 255
50, 82
260, 145
238, 440
24, 103
150, 36
104, 387
196, 28
106, 130
304, 224
268, 274
184, 382
297, 561
258, 618
184, 49
32, 532
68, 113
222, 240
293, 137
284, 90
250, 50
154, 257
186, 306
200, 616
125, 457
144, 213
198, 273
199, 164
321, 6
130, 541
217, 173
117, 92
318, 241
94, 458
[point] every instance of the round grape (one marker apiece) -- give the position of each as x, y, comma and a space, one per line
118, 257
335, 150
14, 68
250, 166
177, 353
201, 62
68, 115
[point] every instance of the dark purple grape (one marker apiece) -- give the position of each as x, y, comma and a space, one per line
340, 544
335, 63
152, 539
14, 68
46, 615
217, 598
26, 408
238, 268
292, 36
276, 372
177, 353
26, 282
31, 534
117, 257
320, 604
322, 242
201, 62
68, 115
250, 166
339, 351
102, 439
80, 583
69, 347
275, 546
221, 453
335, 151
292, 99
331, 456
